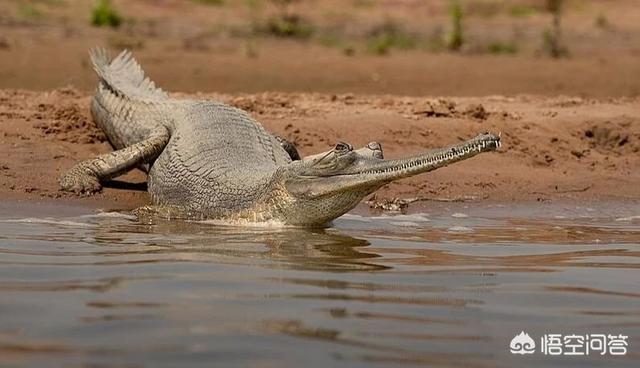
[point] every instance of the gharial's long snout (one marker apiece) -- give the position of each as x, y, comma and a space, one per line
371, 173
428, 161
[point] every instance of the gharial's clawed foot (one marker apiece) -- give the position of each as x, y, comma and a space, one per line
80, 180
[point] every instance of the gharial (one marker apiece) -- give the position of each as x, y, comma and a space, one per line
205, 159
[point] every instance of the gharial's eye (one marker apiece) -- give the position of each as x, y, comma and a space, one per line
343, 147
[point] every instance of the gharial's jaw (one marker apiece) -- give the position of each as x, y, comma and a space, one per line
366, 174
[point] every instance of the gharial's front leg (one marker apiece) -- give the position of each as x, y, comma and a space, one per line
88, 176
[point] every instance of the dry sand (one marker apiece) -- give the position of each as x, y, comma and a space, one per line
560, 148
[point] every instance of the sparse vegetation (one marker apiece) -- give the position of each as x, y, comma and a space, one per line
334, 40
364, 3
499, 47
379, 46
209, 2
105, 15
455, 39
388, 35
552, 38
30, 12
253, 5
289, 26
286, 24
521, 11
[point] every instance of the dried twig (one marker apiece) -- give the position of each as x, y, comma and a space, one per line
401, 204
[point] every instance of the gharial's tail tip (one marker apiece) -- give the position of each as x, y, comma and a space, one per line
100, 60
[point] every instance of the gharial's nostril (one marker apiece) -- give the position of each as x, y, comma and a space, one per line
375, 146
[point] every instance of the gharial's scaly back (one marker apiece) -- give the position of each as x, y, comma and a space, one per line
124, 76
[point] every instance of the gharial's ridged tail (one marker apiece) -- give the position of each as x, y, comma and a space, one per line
124, 76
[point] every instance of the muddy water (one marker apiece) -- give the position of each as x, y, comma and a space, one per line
449, 287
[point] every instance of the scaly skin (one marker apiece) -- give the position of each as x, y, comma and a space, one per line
209, 160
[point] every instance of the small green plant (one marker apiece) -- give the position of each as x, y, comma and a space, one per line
364, 3
289, 26
209, 2
388, 35
30, 12
456, 36
499, 47
521, 11
253, 4
285, 24
552, 38
380, 45
104, 14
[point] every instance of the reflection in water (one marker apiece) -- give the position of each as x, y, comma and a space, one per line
105, 290
295, 248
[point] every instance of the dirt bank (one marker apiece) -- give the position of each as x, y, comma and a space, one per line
554, 148
363, 47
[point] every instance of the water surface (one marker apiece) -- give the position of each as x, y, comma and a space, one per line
450, 287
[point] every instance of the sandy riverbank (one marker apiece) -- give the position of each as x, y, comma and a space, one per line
554, 148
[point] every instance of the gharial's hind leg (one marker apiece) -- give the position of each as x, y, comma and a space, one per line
88, 176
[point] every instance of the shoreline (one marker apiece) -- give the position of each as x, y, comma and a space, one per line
554, 148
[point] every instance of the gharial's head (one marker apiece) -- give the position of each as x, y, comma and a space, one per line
327, 185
